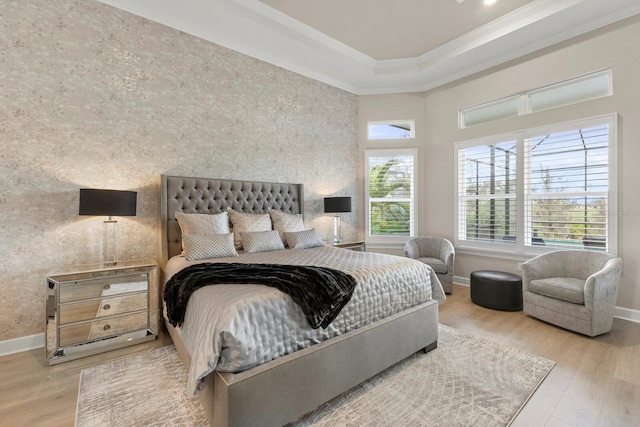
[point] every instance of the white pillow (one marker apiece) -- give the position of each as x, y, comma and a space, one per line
303, 239
244, 222
261, 241
286, 222
203, 223
203, 246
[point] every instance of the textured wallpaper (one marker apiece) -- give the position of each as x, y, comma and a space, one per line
94, 97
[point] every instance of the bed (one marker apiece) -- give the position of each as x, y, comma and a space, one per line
264, 392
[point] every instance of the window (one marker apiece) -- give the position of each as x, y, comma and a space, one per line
584, 88
539, 189
490, 111
391, 129
591, 86
390, 188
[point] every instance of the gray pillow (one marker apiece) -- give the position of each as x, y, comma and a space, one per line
261, 241
303, 239
203, 246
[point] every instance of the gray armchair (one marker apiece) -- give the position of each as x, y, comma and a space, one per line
573, 289
438, 253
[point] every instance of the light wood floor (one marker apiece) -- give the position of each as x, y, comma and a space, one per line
596, 381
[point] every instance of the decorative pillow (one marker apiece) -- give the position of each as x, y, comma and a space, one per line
303, 239
244, 222
202, 246
261, 241
286, 222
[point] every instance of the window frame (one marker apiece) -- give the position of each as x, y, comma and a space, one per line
520, 250
390, 241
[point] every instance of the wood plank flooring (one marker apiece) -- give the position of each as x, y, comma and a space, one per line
596, 381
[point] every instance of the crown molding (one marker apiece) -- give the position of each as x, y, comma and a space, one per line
255, 29
279, 21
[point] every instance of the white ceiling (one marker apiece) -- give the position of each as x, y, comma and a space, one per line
394, 29
383, 46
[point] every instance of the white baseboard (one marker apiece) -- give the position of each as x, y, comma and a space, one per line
627, 314
621, 312
17, 345
464, 281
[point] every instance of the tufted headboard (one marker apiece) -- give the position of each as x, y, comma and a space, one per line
205, 195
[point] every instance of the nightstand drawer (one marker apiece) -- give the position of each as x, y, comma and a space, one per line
113, 326
112, 306
101, 287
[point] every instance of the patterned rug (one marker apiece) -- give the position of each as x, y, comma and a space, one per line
466, 381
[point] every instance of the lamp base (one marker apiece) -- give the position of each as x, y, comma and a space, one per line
110, 242
336, 229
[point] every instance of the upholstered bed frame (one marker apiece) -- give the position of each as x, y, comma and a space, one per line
284, 389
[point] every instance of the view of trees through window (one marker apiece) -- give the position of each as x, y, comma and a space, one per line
565, 188
390, 193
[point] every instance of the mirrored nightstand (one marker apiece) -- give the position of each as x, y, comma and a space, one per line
94, 309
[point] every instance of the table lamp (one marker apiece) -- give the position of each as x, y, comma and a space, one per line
337, 205
108, 203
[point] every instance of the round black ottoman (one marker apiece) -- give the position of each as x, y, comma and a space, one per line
497, 290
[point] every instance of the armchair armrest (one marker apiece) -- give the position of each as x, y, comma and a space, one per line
602, 286
447, 253
411, 249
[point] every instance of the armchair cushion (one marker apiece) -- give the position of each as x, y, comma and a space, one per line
563, 288
435, 263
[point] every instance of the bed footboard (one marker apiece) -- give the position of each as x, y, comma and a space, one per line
284, 389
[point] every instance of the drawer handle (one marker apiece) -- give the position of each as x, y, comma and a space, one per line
106, 287
106, 327
106, 307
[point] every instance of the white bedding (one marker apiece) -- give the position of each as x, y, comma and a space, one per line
236, 327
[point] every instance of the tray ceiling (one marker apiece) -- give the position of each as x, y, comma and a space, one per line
379, 46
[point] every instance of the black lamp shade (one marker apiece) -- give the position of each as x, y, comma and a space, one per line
107, 202
337, 204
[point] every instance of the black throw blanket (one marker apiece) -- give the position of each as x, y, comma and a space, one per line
319, 291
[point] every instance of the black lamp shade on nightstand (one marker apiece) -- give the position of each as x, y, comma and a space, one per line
337, 204
107, 202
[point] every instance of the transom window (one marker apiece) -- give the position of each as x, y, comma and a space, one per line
391, 129
579, 89
539, 189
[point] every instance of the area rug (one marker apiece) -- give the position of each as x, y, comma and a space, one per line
466, 381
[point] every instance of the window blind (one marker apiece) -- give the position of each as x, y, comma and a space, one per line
391, 192
567, 187
487, 183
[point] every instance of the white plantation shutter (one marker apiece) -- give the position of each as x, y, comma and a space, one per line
487, 182
567, 187
540, 189
390, 190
